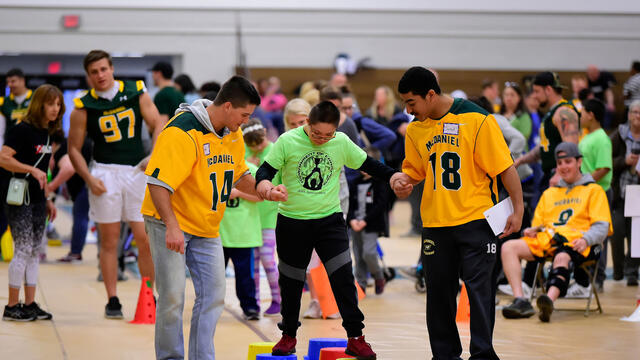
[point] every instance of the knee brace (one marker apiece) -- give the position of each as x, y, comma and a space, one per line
559, 277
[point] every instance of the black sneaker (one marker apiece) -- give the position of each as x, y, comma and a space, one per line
40, 314
632, 281
113, 309
545, 305
520, 308
17, 312
252, 314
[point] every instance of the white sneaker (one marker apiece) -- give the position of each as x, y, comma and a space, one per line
577, 291
314, 311
506, 289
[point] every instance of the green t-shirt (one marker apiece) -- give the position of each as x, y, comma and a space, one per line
268, 209
240, 225
523, 124
596, 154
311, 173
167, 100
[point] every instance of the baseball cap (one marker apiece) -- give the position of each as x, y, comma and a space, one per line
548, 78
569, 149
165, 68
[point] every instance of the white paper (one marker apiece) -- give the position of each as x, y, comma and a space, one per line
632, 203
635, 237
498, 214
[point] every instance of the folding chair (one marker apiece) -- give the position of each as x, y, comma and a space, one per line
591, 264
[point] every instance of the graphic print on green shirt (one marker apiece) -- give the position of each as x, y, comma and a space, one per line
311, 172
115, 125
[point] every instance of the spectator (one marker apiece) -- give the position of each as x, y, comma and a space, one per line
184, 84
296, 113
26, 153
169, 97
571, 217
513, 109
578, 83
210, 88
626, 150
631, 89
384, 106
14, 107
338, 80
601, 84
273, 100
491, 91
379, 136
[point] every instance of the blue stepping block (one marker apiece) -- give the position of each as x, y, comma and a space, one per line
276, 357
318, 343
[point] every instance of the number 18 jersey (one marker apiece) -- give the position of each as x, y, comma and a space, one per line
459, 156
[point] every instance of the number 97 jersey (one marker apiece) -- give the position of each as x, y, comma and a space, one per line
115, 125
459, 156
200, 168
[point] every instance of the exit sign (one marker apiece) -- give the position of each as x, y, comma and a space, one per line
70, 21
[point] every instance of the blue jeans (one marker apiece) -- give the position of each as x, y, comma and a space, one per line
80, 221
205, 260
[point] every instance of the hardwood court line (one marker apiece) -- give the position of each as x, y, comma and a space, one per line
53, 322
257, 331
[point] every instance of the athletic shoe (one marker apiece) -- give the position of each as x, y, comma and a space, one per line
113, 309
252, 314
71, 258
520, 308
380, 286
334, 316
273, 310
577, 291
17, 312
40, 314
314, 311
545, 305
356, 346
286, 346
632, 281
506, 289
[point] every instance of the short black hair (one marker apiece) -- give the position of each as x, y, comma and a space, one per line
418, 81
325, 112
330, 93
96, 55
239, 92
636, 66
596, 107
584, 94
488, 83
15, 72
483, 102
210, 86
165, 68
185, 83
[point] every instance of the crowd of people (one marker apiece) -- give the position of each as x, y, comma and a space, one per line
298, 173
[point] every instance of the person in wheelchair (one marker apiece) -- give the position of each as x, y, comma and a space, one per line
571, 217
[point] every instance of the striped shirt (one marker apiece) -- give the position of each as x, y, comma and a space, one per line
631, 89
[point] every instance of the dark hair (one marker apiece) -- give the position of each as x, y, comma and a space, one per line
254, 137
418, 81
95, 55
488, 83
185, 83
164, 68
35, 113
325, 112
210, 95
584, 94
596, 107
483, 102
15, 72
239, 92
210, 86
548, 78
520, 107
636, 66
330, 93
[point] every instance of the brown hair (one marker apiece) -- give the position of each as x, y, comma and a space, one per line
95, 55
36, 116
255, 136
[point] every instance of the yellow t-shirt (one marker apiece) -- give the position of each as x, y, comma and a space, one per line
458, 156
201, 168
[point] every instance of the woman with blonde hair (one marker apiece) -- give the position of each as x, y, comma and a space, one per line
296, 113
25, 157
384, 106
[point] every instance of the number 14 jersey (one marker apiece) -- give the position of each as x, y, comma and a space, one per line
459, 156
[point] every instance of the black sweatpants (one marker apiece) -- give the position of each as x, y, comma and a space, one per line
295, 240
468, 251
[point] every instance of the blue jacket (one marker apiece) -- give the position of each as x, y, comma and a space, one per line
379, 135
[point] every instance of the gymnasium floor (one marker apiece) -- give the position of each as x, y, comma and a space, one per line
395, 321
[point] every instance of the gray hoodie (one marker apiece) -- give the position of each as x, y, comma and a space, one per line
598, 231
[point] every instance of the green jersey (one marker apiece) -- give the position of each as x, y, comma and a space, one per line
268, 209
12, 111
115, 125
240, 225
167, 100
596, 154
311, 172
550, 137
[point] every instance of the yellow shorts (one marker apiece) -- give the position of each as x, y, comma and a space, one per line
544, 245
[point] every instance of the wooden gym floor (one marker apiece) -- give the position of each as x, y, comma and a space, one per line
395, 321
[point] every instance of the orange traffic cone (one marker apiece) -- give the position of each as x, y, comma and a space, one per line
463, 314
325, 294
146, 309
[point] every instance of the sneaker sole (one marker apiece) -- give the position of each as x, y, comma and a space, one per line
546, 308
512, 314
280, 353
6, 318
114, 317
351, 353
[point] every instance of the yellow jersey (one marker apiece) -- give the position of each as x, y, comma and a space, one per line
459, 157
201, 168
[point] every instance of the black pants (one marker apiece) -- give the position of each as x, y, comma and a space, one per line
295, 240
468, 251
242, 259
